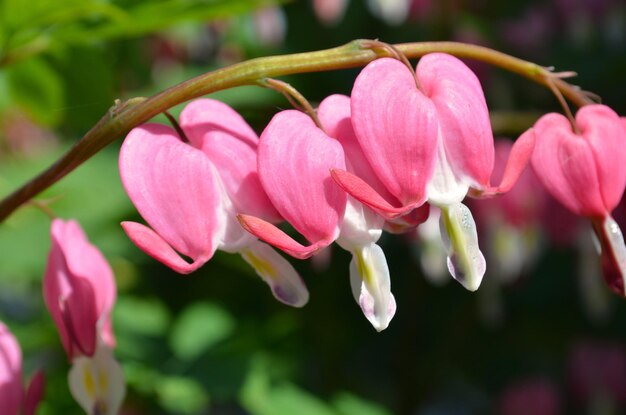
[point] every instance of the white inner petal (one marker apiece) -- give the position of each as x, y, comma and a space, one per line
361, 226
445, 187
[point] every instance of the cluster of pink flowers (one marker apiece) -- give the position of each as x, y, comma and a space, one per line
370, 162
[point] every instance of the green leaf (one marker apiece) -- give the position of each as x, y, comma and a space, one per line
260, 397
349, 404
37, 89
199, 327
180, 395
140, 316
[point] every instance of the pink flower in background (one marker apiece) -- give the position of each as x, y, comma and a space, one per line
14, 400
585, 170
189, 194
79, 290
271, 25
597, 371
10, 372
536, 396
330, 12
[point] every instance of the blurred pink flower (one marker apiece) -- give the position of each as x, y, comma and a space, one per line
14, 400
330, 12
597, 370
533, 396
79, 290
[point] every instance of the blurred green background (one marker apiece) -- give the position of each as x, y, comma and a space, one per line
216, 342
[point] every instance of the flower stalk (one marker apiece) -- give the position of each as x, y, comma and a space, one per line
124, 116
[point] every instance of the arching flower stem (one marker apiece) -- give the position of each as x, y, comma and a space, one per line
124, 116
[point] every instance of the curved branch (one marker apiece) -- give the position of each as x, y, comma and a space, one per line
122, 117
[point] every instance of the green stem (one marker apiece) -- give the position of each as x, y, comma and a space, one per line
121, 118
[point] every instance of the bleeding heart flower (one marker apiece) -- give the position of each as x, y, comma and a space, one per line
79, 290
295, 160
585, 170
189, 194
428, 138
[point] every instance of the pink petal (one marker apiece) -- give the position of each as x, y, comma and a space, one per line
363, 192
463, 115
86, 261
334, 114
79, 287
152, 244
565, 165
176, 190
223, 135
408, 222
34, 393
269, 233
80, 316
10, 372
396, 125
603, 130
295, 159
518, 158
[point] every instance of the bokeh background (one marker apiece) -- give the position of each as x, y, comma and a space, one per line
542, 335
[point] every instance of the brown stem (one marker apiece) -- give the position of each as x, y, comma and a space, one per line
121, 118
295, 98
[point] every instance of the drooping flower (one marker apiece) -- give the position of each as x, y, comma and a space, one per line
585, 170
428, 138
295, 159
79, 291
14, 400
189, 194
361, 227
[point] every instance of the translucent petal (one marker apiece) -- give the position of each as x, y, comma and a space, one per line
458, 232
613, 252
360, 226
371, 285
278, 273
